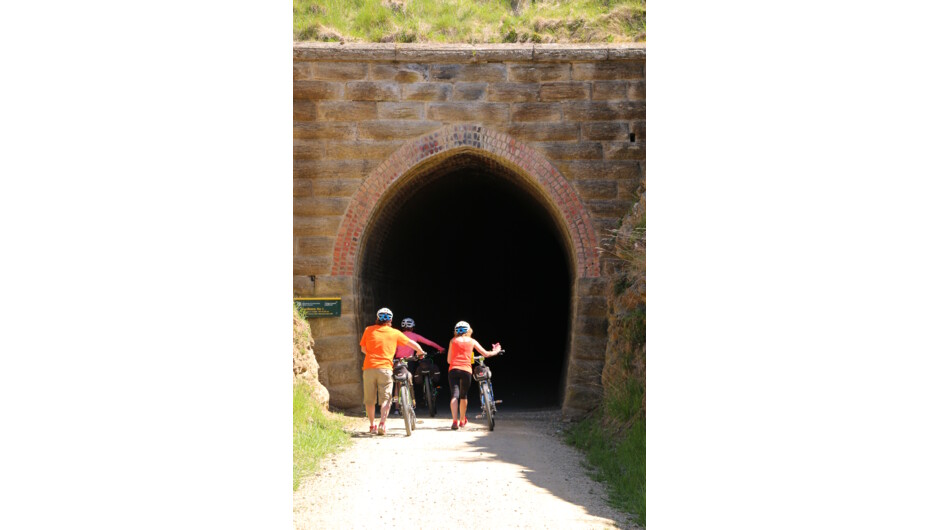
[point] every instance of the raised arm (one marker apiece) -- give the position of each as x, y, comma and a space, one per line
423, 340
416, 347
477, 347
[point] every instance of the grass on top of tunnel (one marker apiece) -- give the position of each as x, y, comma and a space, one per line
616, 449
470, 21
317, 433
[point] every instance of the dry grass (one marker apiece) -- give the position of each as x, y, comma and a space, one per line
470, 21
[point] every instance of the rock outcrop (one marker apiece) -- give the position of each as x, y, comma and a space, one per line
306, 368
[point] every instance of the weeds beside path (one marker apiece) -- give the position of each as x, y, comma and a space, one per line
317, 433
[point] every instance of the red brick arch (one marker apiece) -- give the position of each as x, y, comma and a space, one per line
458, 139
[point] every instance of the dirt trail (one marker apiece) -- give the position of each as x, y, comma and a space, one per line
521, 475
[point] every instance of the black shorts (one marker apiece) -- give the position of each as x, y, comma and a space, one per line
459, 383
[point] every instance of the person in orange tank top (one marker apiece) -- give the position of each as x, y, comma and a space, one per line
379, 343
460, 359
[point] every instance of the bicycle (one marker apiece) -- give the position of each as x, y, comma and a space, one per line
405, 392
483, 375
427, 373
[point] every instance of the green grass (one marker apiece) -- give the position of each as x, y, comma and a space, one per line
316, 434
470, 21
614, 442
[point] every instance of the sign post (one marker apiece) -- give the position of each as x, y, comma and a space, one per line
318, 307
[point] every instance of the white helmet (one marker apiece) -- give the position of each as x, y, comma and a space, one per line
408, 323
384, 314
462, 327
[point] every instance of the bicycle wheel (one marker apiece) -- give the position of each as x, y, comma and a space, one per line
429, 396
490, 405
407, 413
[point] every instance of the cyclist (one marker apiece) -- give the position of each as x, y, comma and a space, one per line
460, 359
378, 343
408, 327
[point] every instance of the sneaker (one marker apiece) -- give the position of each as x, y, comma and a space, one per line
463, 423
453, 426
381, 429
372, 429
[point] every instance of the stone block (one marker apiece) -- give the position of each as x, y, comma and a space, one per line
333, 169
608, 70
373, 91
347, 110
398, 72
469, 111
569, 52
604, 110
312, 266
316, 226
469, 91
570, 151
599, 169
481, 73
525, 112
605, 130
591, 327
344, 326
346, 397
303, 187
325, 150
512, 92
303, 286
464, 53
319, 206
303, 71
314, 246
564, 91
426, 91
624, 151
597, 189
305, 110
318, 90
406, 110
636, 91
604, 90
638, 128
586, 371
350, 51
335, 286
628, 189
340, 348
544, 132
328, 71
344, 372
335, 187
591, 287
592, 306
396, 129
539, 73
627, 52
318, 131
608, 207
579, 399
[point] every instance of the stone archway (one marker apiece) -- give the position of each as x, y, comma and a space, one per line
585, 353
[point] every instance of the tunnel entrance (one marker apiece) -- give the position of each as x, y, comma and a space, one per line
470, 240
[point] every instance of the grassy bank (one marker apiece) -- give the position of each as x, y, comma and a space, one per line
616, 449
316, 433
470, 21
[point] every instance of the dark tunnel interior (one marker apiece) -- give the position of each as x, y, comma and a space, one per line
468, 243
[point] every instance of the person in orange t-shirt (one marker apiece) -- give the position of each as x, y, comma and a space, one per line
379, 343
460, 359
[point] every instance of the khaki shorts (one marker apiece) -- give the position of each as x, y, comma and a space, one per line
376, 379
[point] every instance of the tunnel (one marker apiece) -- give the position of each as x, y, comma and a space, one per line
468, 239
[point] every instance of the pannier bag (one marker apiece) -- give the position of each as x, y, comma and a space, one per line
425, 365
481, 372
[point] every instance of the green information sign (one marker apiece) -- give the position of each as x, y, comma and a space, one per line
318, 307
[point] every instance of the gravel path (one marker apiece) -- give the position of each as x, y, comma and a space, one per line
521, 475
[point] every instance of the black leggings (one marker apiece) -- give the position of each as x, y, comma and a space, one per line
459, 383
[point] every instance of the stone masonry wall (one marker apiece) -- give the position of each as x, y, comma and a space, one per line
363, 114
